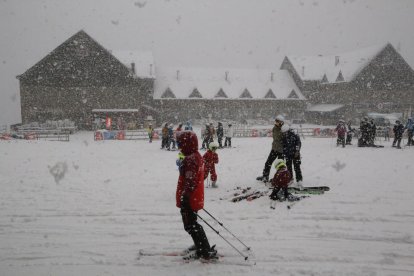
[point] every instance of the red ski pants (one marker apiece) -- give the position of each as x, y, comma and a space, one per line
212, 171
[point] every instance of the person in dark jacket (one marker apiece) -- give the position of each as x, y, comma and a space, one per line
364, 127
277, 148
291, 151
372, 132
350, 132
190, 193
398, 133
220, 134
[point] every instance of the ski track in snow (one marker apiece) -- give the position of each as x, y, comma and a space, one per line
118, 197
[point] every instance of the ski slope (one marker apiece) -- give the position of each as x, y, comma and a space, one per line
87, 208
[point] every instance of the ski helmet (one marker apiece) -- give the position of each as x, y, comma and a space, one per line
280, 118
213, 146
181, 156
279, 163
285, 128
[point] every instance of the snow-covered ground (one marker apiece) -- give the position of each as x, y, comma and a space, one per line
114, 198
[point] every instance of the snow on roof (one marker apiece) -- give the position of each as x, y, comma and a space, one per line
349, 64
324, 107
209, 81
143, 60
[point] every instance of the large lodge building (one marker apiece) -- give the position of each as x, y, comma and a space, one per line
80, 80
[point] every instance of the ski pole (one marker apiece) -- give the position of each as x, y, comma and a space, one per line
218, 233
221, 224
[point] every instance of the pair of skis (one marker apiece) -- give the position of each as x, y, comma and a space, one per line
250, 194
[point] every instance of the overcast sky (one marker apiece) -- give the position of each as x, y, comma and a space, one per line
198, 33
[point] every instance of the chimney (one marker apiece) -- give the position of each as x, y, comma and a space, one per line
336, 60
227, 75
133, 67
150, 69
303, 71
271, 76
178, 74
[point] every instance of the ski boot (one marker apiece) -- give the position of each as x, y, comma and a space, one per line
291, 198
213, 184
210, 255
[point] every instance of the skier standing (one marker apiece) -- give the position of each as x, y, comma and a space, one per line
349, 133
291, 150
341, 132
171, 139
164, 136
277, 148
188, 126
364, 127
229, 135
220, 134
190, 193
179, 128
372, 132
281, 180
410, 129
398, 133
205, 134
210, 159
150, 131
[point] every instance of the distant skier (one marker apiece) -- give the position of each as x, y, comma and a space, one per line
341, 132
179, 128
291, 150
281, 180
164, 136
220, 134
190, 193
372, 132
171, 138
410, 129
150, 131
277, 148
364, 127
205, 135
229, 135
210, 159
188, 126
387, 130
398, 133
350, 132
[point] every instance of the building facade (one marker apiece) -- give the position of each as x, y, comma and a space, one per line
78, 76
374, 79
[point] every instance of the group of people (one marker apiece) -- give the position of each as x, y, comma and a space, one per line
285, 154
168, 134
194, 169
209, 132
399, 130
368, 132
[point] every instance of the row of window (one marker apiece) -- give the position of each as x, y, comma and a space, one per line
168, 93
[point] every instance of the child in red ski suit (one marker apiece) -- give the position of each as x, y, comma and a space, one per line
281, 180
210, 159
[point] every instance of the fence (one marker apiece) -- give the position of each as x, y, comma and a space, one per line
139, 134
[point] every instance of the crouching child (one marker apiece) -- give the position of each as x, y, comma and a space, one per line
281, 180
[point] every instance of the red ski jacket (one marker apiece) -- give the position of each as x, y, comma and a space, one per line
282, 178
210, 158
191, 179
